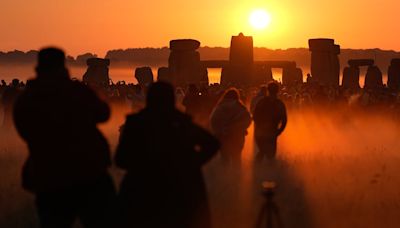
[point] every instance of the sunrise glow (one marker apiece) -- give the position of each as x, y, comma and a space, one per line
260, 19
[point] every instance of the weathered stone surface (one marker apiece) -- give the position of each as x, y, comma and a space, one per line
277, 64
262, 75
395, 62
184, 45
241, 51
323, 45
97, 72
241, 71
361, 62
163, 74
373, 78
184, 63
144, 76
292, 76
394, 75
325, 66
351, 77
237, 76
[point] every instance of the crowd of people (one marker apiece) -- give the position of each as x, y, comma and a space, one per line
161, 148
177, 131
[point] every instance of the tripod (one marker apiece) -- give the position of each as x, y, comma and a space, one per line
269, 216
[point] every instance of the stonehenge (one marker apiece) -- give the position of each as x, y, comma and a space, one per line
292, 76
184, 63
351, 77
325, 66
394, 75
241, 70
360, 62
373, 78
97, 72
164, 75
351, 74
144, 76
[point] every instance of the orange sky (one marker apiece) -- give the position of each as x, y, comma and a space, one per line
99, 25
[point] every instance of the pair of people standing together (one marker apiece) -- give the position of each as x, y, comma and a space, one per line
230, 120
67, 167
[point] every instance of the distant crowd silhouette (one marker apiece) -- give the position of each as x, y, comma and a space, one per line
163, 145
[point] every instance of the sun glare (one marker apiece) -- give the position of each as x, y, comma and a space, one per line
259, 19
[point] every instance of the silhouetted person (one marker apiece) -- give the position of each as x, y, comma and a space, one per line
309, 79
163, 152
260, 95
68, 156
269, 122
229, 122
8, 98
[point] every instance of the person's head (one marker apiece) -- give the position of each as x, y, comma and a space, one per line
273, 89
51, 63
231, 94
263, 90
160, 96
15, 82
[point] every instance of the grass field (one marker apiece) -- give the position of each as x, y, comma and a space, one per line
333, 170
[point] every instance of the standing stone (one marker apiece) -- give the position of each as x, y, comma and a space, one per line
240, 71
394, 75
361, 62
97, 72
351, 77
241, 51
184, 63
325, 67
373, 78
292, 76
164, 75
263, 75
144, 76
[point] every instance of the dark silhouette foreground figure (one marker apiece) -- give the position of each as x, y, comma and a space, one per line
68, 156
260, 95
269, 122
229, 122
163, 152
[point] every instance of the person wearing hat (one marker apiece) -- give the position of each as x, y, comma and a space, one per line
67, 166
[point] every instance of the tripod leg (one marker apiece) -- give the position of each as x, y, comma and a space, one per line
277, 215
261, 217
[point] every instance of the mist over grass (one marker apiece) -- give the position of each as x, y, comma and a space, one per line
334, 169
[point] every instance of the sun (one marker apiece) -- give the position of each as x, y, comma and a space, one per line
259, 19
